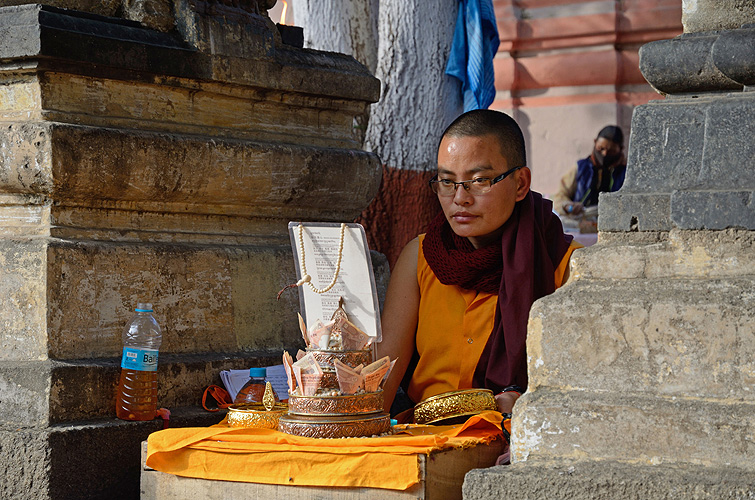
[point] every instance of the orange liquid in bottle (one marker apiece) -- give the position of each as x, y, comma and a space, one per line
137, 395
250, 393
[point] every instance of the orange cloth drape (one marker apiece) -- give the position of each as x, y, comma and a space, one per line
266, 456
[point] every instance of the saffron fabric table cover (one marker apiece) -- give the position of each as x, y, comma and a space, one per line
267, 456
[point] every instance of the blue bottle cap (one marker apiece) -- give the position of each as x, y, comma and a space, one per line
257, 372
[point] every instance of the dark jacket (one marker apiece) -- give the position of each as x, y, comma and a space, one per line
590, 181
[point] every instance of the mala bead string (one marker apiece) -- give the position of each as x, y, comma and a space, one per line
306, 278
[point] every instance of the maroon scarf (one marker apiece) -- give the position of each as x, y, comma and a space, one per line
520, 270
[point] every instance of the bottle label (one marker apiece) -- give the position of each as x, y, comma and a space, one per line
143, 360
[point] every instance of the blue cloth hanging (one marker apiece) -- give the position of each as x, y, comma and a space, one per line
474, 46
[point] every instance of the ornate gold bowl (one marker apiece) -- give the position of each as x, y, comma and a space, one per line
335, 427
455, 406
255, 415
352, 404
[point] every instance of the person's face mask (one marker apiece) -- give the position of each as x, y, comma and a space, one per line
605, 160
606, 152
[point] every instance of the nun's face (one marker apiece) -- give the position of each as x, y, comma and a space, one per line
480, 218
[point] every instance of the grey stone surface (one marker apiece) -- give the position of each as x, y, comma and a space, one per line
713, 209
87, 460
592, 480
734, 54
625, 211
676, 254
612, 423
712, 15
684, 64
692, 144
265, 179
683, 151
647, 335
120, 47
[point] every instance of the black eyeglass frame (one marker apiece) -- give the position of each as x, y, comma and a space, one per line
466, 184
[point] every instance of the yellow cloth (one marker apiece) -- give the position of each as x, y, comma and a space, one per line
271, 457
454, 326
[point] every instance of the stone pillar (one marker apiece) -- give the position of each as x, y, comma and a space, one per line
153, 159
642, 379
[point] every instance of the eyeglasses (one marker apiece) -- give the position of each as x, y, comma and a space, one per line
480, 185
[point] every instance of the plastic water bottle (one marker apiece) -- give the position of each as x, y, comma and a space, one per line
254, 388
137, 390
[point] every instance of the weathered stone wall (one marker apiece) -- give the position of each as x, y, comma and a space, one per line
147, 162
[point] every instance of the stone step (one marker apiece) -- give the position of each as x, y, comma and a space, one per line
575, 480
640, 426
679, 337
662, 255
119, 179
87, 459
85, 389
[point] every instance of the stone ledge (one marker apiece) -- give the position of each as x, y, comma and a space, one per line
574, 480
623, 211
713, 209
86, 459
124, 49
684, 164
677, 254
85, 389
570, 424
233, 181
700, 62
674, 337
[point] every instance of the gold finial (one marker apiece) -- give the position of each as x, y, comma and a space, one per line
268, 399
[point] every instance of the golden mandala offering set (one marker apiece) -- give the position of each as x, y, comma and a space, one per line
335, 389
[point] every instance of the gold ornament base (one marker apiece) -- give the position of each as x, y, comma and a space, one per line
350, 404
335, 427
255, 415
452, 407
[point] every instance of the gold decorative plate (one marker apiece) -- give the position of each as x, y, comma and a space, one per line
452, 407
352, 404
335, 427
255, 415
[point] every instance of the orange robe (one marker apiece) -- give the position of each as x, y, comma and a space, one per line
454, 326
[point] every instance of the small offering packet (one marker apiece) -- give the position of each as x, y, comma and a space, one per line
310, 383
297, 376
349, 381
352, 337
373, 373
288, 365
309, 365
319, 336
388, 373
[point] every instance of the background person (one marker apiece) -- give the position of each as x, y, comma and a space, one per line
601, 172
